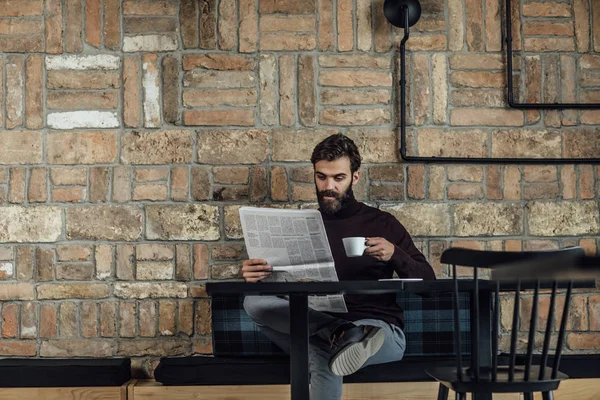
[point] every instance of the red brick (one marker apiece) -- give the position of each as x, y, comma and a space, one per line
589, 245
421, 89
533, 85
326, 29
200, 261
54, 26
568, 182
474, 17
594, 305
238, 117
542, 28
127, 319
24, 263
258, 184
10, 320
595, 32
201, 189
33, 92
586, 182
536, 191
486, 117
494, 183
68, 195
288, 41
68, 320
24, 348
78, 100
37, 185
208, 24
180, 183
73, 23
166, 317
549, 44
287, 7
279, 184
112, 30
248, 26
29, 320
131, 97
188, 17
307, 107
546, 9
227, 24
345, 25
416, 182
185, 317
583, 341
147, 318
14, 91
540, 173
429, 42
82, 80
16, 185
479, 79
287, 90
513, 245
108, 316
93, 20
47, 321
463, 191
183, 266
99, 183
203, 320
512, 183
22, 8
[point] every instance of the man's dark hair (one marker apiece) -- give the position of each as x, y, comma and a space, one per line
335, 147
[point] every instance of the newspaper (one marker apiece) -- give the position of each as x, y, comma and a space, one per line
294, 243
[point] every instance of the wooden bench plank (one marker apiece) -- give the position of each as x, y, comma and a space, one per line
64, 393
580, 389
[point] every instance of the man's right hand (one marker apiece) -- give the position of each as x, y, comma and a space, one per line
255, 269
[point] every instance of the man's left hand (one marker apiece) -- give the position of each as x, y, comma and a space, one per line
379, 248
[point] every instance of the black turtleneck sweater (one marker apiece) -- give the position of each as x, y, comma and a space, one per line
358, 219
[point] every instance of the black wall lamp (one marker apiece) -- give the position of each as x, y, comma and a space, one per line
406, 13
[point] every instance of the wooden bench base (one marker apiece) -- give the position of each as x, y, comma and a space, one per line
65, 393
573, 389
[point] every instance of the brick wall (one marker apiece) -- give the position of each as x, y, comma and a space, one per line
133, 130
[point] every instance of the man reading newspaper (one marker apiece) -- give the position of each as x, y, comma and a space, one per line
371, 331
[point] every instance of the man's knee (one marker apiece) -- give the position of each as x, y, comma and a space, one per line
252, 307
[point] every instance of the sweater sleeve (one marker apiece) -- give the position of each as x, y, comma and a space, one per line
407, 260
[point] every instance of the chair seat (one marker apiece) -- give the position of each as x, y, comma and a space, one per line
447, 377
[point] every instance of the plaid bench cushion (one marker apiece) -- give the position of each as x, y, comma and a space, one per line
428, 326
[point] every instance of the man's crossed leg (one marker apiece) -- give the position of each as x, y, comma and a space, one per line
336, 347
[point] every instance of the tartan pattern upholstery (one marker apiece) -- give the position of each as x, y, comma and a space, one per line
428, 326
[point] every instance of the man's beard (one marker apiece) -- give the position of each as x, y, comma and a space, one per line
333, 206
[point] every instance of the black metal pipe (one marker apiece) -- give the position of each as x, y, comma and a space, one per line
511, 103
561, 333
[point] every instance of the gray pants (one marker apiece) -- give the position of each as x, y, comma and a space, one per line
272, 316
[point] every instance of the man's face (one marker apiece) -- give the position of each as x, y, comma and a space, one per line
333, 180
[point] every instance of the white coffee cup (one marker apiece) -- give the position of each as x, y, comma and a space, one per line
355, 246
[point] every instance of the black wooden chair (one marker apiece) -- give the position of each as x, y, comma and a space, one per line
483, 380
